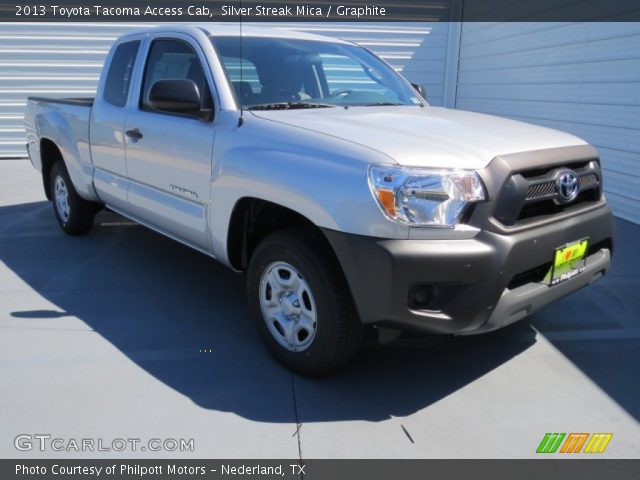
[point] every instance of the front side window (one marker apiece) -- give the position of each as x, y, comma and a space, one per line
266, 71
116, 88
174, 60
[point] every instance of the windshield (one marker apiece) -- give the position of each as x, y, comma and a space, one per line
291, 73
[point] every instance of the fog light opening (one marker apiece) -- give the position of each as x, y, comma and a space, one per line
423, 296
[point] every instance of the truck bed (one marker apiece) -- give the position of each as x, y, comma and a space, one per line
64, 121
79, 101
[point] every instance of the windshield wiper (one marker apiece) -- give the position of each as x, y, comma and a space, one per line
381, 104
288, 106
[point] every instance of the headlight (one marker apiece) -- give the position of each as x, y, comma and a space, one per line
424, 197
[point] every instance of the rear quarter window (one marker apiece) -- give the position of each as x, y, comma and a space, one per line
116, 88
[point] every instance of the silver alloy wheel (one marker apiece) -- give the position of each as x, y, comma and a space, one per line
288, 306
62, 198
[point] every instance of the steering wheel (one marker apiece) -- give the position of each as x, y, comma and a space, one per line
341, 93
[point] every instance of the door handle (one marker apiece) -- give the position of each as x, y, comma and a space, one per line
134, 133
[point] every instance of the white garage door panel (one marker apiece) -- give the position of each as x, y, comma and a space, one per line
626, 161
595, 93
591, 52
66, 60
602, 71
625, 208
623, 116
583, 78
491, 39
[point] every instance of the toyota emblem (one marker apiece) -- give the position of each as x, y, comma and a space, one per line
567, 186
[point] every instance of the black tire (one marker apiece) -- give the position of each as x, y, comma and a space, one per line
338, 330
78, 219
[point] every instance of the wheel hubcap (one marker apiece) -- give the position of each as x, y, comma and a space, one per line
62, 198
288, 306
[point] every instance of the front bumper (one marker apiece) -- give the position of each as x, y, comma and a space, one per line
481, 284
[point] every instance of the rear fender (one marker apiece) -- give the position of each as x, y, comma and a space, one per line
74, 147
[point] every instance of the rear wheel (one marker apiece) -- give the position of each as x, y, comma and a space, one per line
74, 214
302, 304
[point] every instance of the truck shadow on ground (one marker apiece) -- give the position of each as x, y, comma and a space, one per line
182, 317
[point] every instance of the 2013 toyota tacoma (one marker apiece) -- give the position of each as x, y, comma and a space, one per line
313, 167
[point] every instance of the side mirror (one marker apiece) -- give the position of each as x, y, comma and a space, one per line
421, 89
175, 96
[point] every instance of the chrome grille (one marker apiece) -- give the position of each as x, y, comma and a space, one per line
548, 188
541, 190
588, 180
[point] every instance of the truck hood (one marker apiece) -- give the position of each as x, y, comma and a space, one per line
426, 137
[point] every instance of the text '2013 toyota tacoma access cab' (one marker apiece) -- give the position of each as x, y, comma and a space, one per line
312, 166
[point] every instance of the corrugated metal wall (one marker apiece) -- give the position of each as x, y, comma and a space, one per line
66, 60
582, 78
46, 59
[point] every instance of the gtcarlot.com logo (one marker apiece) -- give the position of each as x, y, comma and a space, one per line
45, 442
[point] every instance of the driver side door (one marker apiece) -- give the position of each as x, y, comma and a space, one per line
169, 155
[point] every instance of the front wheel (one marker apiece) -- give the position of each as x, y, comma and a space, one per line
302, 304
74, 214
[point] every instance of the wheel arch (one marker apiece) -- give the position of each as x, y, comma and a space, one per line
55, 129
49, 154
252, 219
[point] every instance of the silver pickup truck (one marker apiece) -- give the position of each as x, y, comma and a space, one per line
313, 167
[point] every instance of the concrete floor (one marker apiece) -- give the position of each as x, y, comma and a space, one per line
103, 336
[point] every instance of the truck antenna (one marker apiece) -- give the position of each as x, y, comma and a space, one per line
241, 119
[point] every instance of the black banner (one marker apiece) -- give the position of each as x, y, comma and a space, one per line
585, 469
320, 10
